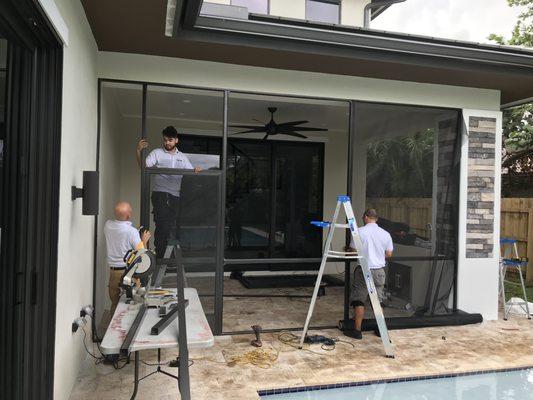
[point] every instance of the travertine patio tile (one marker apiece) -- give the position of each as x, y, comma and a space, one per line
429, 351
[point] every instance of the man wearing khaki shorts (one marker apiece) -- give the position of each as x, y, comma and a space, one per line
377, 244
120, 237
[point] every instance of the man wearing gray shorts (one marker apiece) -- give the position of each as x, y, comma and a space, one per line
377, 244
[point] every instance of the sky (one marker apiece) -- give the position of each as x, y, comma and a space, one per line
467, 20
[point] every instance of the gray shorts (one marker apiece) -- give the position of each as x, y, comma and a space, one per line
359, 292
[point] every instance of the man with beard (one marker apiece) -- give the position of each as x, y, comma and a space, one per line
165, 188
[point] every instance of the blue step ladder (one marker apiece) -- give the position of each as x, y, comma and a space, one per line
510, 259
328, 253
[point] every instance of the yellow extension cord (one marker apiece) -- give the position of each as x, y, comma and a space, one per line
259, 358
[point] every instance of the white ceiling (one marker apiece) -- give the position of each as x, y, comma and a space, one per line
201, 111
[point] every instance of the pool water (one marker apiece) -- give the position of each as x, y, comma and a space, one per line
510, 385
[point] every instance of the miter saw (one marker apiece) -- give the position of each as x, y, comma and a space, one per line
139, 267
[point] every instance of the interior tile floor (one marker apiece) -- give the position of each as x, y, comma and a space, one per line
490, 345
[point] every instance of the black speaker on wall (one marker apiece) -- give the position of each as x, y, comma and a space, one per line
89, 193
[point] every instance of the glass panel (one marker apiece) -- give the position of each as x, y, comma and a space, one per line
319, 11
190, 221
3, 69
183, 208
254, 6
411, 159
298, 199
120, 129
248, 199
287, 163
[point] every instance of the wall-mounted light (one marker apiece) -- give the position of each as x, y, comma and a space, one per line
89, 193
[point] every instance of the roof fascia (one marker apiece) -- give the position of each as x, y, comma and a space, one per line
363, 39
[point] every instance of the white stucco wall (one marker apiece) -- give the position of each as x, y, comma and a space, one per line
284, 82
352, 12
78, 152
288, 9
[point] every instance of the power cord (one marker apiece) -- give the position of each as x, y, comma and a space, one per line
327, 344
98, 359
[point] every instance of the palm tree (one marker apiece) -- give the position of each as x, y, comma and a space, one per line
401, 167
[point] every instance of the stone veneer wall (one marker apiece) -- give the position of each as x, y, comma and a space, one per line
481, 171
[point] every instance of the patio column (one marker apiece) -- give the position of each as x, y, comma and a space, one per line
479, 213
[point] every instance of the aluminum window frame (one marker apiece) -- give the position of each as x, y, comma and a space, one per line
352, 139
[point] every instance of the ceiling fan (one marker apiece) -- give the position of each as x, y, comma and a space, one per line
273, 128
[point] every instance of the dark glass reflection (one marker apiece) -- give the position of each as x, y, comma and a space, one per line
3, 74
260, 222
248, 199
298, 200
266, 223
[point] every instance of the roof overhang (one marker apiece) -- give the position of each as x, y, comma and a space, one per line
137, 26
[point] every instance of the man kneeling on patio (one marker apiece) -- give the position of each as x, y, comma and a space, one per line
377, 244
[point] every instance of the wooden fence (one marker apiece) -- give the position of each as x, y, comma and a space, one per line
517, 223
415, 212
516, 219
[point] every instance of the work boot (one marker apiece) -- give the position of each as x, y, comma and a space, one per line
353, 333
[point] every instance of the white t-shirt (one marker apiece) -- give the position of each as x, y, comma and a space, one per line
375, 241
120, 236
162, 158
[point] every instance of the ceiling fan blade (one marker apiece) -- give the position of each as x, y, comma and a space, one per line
248, 131
295, 134
309, 129
247, 126
265, 137
293, 123
256, 120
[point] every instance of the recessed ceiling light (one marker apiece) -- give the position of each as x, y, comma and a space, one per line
186, 101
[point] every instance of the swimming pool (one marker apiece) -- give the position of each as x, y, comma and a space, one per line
502, 385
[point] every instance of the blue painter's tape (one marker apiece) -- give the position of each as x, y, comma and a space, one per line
321, 224
343, 198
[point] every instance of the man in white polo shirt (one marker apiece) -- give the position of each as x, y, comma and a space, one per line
121, 236
377, 243
166, 188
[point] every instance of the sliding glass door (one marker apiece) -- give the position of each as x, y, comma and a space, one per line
273, 190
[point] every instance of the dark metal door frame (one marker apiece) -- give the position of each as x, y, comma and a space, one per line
30, 205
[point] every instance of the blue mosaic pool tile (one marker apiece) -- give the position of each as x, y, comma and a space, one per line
269, 392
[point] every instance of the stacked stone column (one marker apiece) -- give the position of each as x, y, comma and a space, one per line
481, 176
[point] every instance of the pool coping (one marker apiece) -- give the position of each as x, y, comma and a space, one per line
270, 392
